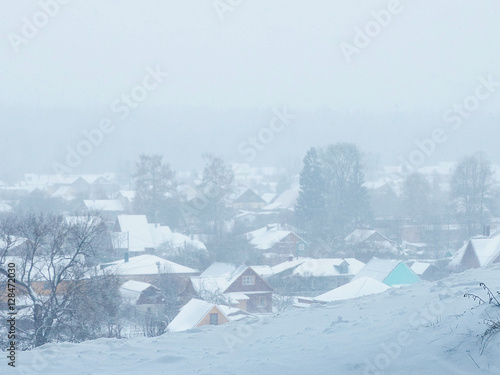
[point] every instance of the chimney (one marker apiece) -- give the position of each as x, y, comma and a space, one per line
486, 230
126, 257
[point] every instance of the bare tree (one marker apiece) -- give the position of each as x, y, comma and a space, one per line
50, 264
471, 189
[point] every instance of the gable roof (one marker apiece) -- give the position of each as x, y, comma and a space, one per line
382, 269
135, 232
285, 201
265, 238
420, 267
218, 277
139, 235
191, 314
328, 267
361, 235
486, 250
358, 288
131, 290
248, 196
146, 265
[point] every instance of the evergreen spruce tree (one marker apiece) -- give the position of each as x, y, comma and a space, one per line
310, 210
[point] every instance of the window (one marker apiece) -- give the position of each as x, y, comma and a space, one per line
248, 280
214, 319
261, 301
301, 247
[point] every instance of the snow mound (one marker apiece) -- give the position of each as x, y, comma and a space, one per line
426, 328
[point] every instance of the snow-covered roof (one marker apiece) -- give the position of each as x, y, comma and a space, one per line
104, 205
268, 197
191, 315
361, 235
357, 288
285, 201
217, 278
487, 249
420, 267
139, 235
382, 270
219, 269
264, 271
378, 269
233, 313
162, 234
328, 267
131, 290
265, 238
146, 265
279, 268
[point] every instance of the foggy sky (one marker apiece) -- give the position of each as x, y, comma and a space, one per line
226, 76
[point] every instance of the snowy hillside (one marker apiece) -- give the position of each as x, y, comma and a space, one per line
428, 328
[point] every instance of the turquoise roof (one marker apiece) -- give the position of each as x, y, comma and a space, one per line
401, 275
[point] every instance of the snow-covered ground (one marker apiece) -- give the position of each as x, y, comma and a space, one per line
425, 329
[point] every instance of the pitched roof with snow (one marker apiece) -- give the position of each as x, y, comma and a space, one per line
361, 235
486, 249
131, 290
285, 201
378, 269
265, 238
139, 235
357, 288
191, 315
328, 267
217, 278
146, 265
136, 233
420, 267
389, 271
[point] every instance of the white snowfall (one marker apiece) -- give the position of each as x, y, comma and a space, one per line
424, 329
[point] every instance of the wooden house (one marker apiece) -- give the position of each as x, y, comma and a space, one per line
239, 287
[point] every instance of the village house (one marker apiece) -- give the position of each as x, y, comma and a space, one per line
312, 275
198, 313
133, 234
248, 200
429, 271
153, 270
239, 287
388, 271
477, 252
276, 243
365, 244
146, 298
